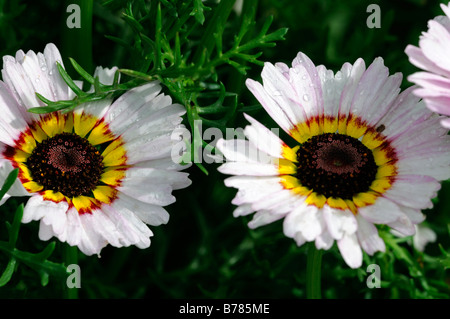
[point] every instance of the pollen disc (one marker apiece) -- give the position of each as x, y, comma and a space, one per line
335, 165
66, 163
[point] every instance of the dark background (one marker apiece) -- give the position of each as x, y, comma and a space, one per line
203, 252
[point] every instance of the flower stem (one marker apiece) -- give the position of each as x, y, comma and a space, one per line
77, 34
70, 258
313, 272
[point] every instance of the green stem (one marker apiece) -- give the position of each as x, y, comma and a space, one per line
313, 272
77, 40
70, 258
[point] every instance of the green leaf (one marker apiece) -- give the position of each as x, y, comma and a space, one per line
81, 71
36, 261
14, 230
208, 40
7, 274
136, 74
197, 12
445, 259
69, 80
43, 99
52, 107
9, 181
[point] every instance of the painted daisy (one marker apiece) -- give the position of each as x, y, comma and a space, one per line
363, 155
96, 175
432, 56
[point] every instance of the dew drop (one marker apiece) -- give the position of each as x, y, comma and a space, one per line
305, 97
276, 93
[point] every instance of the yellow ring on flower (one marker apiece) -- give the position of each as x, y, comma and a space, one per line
97, 132
383, 154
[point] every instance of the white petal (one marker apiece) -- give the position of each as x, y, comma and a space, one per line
50, 212
350, 250
436, 44
45, 231
414, 214
150, 214
253, 188
243, 210
275, 201
280, 89
17, 188
383, 211
345, 102
151, 147
417, 57
263, 217
306, 220
254, 169
38, 76
306, 83
332, 87
404, 113
403, 225
370, 88
299, 239
176, 180
423, 236
12, 121
60, 88
413, 191
105, 75
163, 163
124, 111
151, 194
20, 83
339, 222
368, 236
324, 241
239, 150
104, 227
433, 166
148, 120
91, 241
263, 138
96, 108
274, 110
133, 231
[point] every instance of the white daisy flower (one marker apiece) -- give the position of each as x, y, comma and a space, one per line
96, 175
364, 155
432, 56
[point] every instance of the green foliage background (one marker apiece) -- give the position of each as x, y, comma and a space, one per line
204, 252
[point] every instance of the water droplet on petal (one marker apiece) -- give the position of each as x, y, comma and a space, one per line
276, 93
305, 97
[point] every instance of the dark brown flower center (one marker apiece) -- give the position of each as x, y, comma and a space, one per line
66, 163
335, 165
